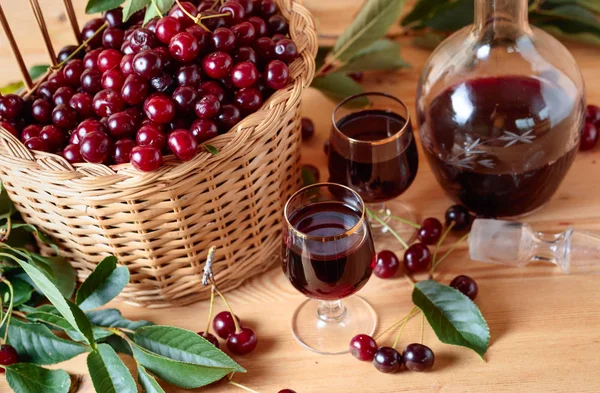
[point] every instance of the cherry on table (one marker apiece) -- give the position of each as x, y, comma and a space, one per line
223, 324
386, 264
430, 231
589, 137
592, 115
8, 356
287, 391
242, 342
466, 285
387, 360
308, 128
210, 338
459, 215
417, 258
363, 347
418, 357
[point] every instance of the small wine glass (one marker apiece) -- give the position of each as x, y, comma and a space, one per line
374, 152
328, 255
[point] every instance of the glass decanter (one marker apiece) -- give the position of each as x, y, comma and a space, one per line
500, 108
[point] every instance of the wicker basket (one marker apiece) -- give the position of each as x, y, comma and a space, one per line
161, 224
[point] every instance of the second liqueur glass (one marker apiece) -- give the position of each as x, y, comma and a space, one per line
374, 152
328, 255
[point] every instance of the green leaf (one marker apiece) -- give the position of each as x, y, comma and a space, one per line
184, 375
148, 382
109, 373
69, 310
29, 378
184, 346
57, 322
422, 10
584, 37
428, 40
110, 317
133, 6
381, 55
96, 6
157, 9
569, 21
372, 22
211, 149
119, 345
6, 206
322, 53
592, 5
454, 318
35, 72
452, 16
63, 273
36, 344
339, 86
22, 291
103, 285
308, 177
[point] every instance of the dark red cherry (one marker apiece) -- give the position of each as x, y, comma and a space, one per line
149, 135
182, 144
28, 132
418, 357
244, 32
208, 107
121, 125
265, 49
260, 26
68, 51
41, 110
95, 147
592, 115
589, 137
122, 151
459, 215
242, 342
185, 99
203, 37
363, 347
278, 37
114, 17
182, 17
277, 75
71, 153
308, 128
466, 285
88, 31
159, 108
164, 83
214, 22
109, 59
277, 24
387, 360
189, 75
11, 106
236, 12
53, 137
212, 87
217, 65
64, 116
247, 4
8, 356
84, 128
113, 80
142, 39
268, 7
184, 47
63, 95
223, 40
430, 231
229, 116
386, 264
244, 75
204, 130
147, 64
46, 90
36, 143
286, 50
287, 391
245, 53
210, 338
417, 258
134, 90
57, 79
91, 81
82, 103
90, 60
249, 100
146, 158
108, 102
223, 324
113, 38
167, 28
126, 64
10, 128
72, 72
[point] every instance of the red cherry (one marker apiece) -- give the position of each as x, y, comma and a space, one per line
83, 104
36, 143
184, 47
122, 151
204, 130
430, 231
182, 17
244, 32
107, 102
29, 132
53, 137
417, 258
237, 13
260, 26
363, 347
122, 125
71, 153
167, 28
210, 338
8, 356
217, 65
223, 324
277, 75
159, 108
113, 80
146, 158
109, 59
386, 264
589, 137
242, 342
183, 145
208, 107
149, 135
95, 147
10, 128
244, 75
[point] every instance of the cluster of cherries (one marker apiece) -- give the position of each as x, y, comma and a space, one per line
139, 92
240, 340
589, 136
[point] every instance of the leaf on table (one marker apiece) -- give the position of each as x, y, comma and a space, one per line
96, 6
157, 8
183, 346
68, 310
133, 6
104, 284
381, 55
569, 21
57, 322
454, 318
22, 291
36, 344
183, 375
65, 277
111, 317
35, 72
148, 382
29, 378
370, 24
339, 86
108, 372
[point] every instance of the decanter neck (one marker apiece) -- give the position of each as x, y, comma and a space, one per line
497, 12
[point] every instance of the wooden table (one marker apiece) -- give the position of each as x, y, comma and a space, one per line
544, 326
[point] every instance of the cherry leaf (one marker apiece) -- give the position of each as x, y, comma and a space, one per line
339, 86
108, 372
133, 6
103, 285
148, 382
95, 6
29, 378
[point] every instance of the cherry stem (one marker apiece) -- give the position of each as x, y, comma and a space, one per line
8, 315
235, 322
214, 5
393, 326
215, 16
439, 243
210, 309
436, 264
6, 234
386, 225
239, 385
405, 221
412, 313
422, 326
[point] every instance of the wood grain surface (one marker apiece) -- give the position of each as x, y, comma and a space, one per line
544, 325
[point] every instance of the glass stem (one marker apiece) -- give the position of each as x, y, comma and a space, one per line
499, 11
331, 311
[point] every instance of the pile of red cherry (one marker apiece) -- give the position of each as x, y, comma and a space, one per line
239, 341
137, 93
589, 136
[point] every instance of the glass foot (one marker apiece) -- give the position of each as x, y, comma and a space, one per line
329, 332
381, 233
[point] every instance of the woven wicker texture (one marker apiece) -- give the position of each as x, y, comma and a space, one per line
161, 224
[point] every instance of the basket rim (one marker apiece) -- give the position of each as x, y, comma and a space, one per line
13, 147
